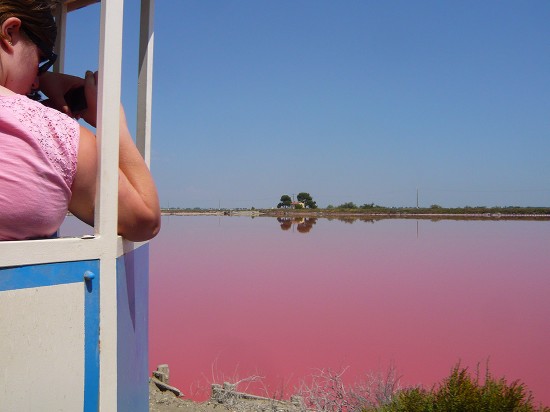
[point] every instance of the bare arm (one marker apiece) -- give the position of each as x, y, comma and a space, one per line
138, 205
139, 209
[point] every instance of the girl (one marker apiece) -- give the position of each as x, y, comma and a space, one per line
48, 161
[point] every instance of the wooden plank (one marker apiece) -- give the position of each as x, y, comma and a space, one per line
78, 4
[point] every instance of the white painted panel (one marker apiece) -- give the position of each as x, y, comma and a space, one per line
42, 335
34, 252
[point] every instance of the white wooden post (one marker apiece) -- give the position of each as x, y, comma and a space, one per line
145, 80
106, 211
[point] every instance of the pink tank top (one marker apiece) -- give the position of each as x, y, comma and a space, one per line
38, 153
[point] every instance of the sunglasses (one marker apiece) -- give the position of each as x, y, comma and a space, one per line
49, 57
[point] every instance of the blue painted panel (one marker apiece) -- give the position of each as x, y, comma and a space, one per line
50, 274
91, 340
133, 330
35, 276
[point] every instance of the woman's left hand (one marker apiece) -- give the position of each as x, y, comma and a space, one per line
90, 92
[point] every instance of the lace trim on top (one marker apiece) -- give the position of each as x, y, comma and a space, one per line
56, 132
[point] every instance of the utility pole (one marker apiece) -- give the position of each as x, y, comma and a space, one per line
417, 198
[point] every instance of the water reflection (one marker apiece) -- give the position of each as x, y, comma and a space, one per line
253, 300
302, 224
353, 219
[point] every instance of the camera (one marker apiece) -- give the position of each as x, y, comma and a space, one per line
76, 100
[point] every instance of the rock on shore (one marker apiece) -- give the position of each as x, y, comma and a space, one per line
165, 398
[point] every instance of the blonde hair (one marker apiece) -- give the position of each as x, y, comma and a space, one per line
35, 15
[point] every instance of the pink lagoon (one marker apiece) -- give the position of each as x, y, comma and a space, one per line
232, 297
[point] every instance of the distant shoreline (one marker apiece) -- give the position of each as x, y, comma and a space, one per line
362, 214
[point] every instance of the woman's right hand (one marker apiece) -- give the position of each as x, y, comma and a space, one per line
55, 86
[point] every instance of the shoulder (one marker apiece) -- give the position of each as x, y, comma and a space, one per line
34, 115
56, 133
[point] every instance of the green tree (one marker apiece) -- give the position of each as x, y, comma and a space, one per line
348, 205
286, 202
307, 200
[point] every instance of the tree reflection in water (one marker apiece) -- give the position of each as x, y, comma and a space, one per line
303, 224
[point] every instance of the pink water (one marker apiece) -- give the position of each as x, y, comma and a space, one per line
233, 296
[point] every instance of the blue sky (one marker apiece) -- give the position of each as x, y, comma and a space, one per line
362, 101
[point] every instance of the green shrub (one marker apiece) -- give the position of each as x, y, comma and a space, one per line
411, 400
461, 393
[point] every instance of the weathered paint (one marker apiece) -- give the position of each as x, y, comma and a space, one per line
49, 322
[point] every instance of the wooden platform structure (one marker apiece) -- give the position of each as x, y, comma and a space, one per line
74, 311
